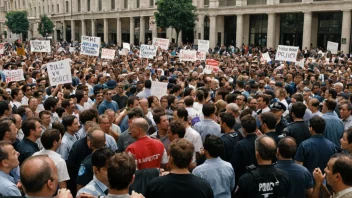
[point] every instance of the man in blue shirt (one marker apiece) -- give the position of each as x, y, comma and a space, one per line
216, 171
108, 103
208, 125
334, 126
301, 178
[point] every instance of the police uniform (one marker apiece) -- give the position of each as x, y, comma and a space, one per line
85, 172
229, 140
265, 181
298, 130
281, 125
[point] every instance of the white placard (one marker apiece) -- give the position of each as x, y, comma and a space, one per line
59, 72
203, 45
40, 46
126, 46
123, 52
286, 53
90, 45
72, 49
13, 75
266, 57
108, 53
158, 89
188, 55
301, 63
2, 48
148, 51
162, 43
333, 47
201, 56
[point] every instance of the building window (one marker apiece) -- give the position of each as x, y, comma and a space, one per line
256, 2
35, 11
88, 5
67, 6
151, 3
138, 3
24, 3
125, 4
57, 8
206, 28
100, 6
79, 5
113, 4
329, 28
206, 2
15, 4
52, 8
258, 25
291, 29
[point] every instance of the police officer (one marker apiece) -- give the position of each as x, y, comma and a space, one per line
230, 138
264, 181
278, 109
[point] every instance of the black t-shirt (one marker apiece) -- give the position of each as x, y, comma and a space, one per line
229, 140
298, 130
85, 172
120, 100
272, 183
179, 186
142, 179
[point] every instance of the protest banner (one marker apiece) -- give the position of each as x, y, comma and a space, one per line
59, 72
286, 53
201, 56
90, 45
14, 75
108, 53
126, 46
162, 43
20, 51
266, 57
332, 47
211, 65
158, 89
203, 45
188, 55
2, 48
40, 46
148, 51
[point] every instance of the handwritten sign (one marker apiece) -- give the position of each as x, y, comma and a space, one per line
14, 75
108, 53
162, 43
211, 65
203, 45
40, 46
158, 89
59, 72
286, 53
201, 56
188, 55
148, 51
266, 57
90, 45
126, 46
2, 48
332, 47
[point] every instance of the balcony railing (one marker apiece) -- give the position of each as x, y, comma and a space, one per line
256, 2
290, 1
224, 3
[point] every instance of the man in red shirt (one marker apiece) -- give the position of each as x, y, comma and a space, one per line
148, 152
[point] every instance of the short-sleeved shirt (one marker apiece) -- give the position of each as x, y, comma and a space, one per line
85, 172
26, 148
301, 178
298, 130
120, 100
8, 186
94, 187
148, 152
315, 152
67, 141
229, 140
165, 140
194, 137
107, 105
207, 126
124, 141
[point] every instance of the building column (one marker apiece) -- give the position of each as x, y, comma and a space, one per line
307, 30
239, 30
73, 30
106, 31
142, 30
154, 31
132, 30
93, 27
271, 30
118, 31
213, 33
346, 31
200, 27
55, 33
84, 29
64, 31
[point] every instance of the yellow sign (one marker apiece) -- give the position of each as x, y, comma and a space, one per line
20, 52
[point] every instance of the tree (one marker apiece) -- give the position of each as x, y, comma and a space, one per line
46, 26
17, 21
178, 14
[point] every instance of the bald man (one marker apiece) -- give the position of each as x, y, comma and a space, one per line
148, 152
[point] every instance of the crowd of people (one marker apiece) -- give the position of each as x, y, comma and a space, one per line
252, 128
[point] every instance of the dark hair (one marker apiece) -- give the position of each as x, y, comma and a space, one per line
14, 92
208, 109
88, 115
298, 97
200, 95
188, 101
176, 88
245, 112
3, 154
60, 111
44, 112
50, 103
181, 151
298, 109
68, 121
182, 113
148, 84
349, 135
79, 95
157, 117
96, 141
333, 93
343, 165
5, 127
228, 119
330, 104
213, 145
48, 138
101, 157
3, 107
65, 103
269, 119
223, 92
249, 124
177, 127
287, 147
122, 166
266, 150
131, 99
318, 124
28, 125
135, 113
188, 91
265, 97
171, 99
24, 88
230, 98
59, 126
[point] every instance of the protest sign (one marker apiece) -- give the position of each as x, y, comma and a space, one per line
188, 55
300, 63
286, 53
211, 65
148, 51
333, 47
108, 53
158, 89
201, 56
266, 57
20, 51
2, 48
40, 46
203, 45
14, 75
72, 49
90, 45
59, 72
162, 43
123, 52
126, 46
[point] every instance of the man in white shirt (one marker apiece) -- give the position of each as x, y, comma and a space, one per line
51, 140
193, 114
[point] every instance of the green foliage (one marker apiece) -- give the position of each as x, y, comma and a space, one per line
46, 26
178, 14
17, 21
